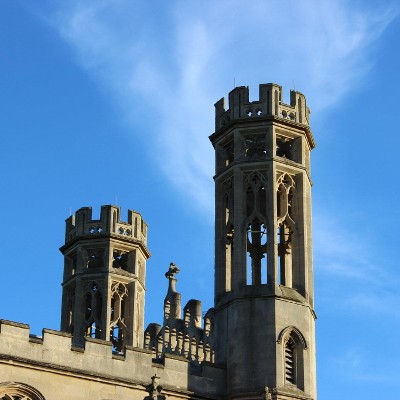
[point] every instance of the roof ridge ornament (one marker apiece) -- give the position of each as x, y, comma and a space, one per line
172, 271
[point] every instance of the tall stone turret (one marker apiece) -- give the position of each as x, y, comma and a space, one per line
264, 296
104, 277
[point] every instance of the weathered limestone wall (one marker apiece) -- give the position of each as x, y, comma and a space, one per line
59, 372
255, 327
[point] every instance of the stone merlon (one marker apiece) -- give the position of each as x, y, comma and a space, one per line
82, 224
269, 105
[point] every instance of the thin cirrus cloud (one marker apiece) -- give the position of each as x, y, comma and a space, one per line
341, 253
172, 61
359, 364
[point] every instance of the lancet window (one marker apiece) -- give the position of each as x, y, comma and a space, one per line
229, 226
285, 227
256, 228
293, 347
119, 295
93, 311
70, 310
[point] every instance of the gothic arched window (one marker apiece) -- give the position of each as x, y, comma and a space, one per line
19, 391
256, 228
117, 319
285, 228
93, 311
293, 348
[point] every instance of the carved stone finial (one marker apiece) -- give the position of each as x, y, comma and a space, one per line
172, 271
154, 389
267, 393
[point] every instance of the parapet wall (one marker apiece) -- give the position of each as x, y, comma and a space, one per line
183, 337
269, 104
82, 224
54, 353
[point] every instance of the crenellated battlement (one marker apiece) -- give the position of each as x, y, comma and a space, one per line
269, 104
55, 349
82, 224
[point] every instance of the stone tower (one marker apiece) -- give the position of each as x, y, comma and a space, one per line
104, 277
264, 307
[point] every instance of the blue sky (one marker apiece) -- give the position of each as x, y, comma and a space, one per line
112, 101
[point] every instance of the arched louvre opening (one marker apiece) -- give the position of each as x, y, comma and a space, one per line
290, 361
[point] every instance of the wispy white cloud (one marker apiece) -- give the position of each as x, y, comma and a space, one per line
356, 364
356, 275
166, 64
378, 302
342, 252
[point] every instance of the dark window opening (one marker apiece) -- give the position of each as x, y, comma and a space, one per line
256, 253
284, 148
120, 260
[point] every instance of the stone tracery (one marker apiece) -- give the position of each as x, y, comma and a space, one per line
256, 224
119, 295
19, 391
285, 226
93, 309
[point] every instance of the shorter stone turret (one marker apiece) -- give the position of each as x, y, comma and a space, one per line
182, 337
82, 225
104, 277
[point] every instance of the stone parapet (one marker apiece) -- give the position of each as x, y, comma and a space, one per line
269, 104
54, 350
183, 338
82, 225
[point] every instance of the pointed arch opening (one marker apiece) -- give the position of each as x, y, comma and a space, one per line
256, 252
117, 326
19, 391
229, 230
290, 361
93, 311
256, 234
284, 229
293, 347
